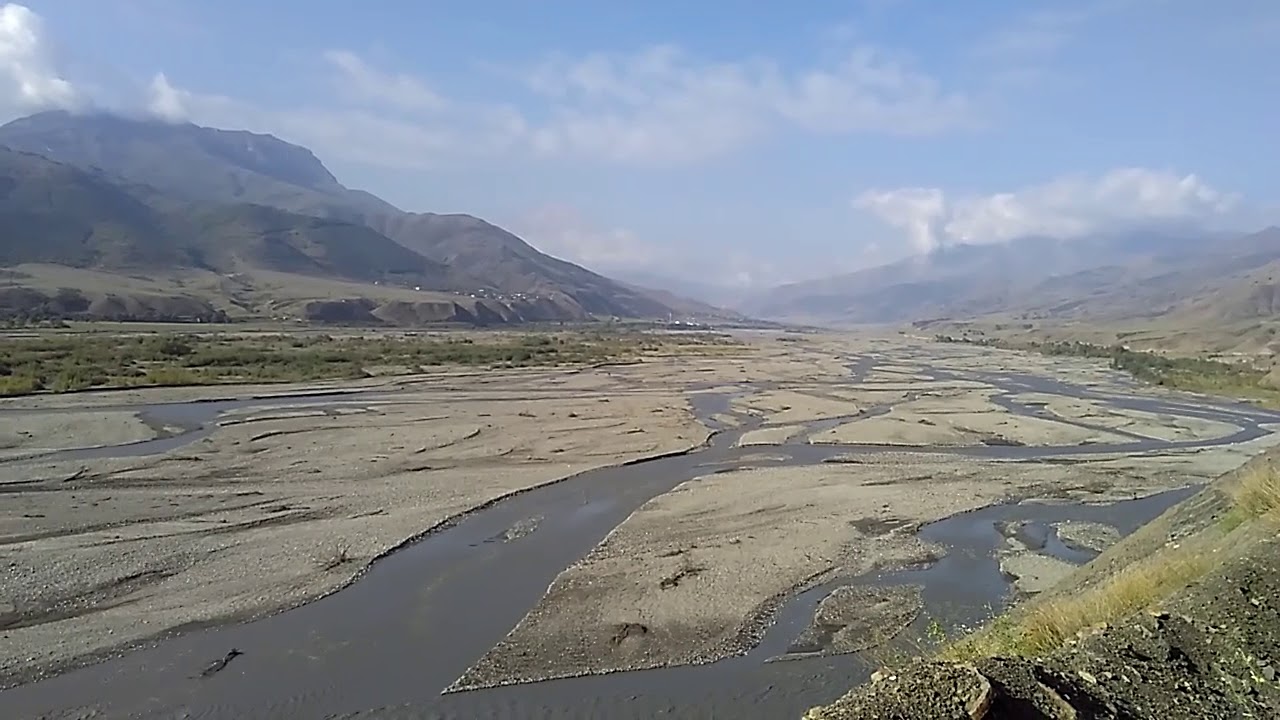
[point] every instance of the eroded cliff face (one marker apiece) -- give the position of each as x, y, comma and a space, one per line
1209, 650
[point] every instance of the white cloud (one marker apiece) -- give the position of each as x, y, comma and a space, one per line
869, 93
915, 211
166, 101
663, 106
1035, 34
659, 106
1068, 207
349, 132
565, 232
29, 79
362, 82
656, 106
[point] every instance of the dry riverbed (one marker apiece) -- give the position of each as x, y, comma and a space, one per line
693, 575
283, 503
42, 433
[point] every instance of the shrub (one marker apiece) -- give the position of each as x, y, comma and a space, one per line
19, 385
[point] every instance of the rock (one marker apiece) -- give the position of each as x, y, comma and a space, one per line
979, 697
936, 691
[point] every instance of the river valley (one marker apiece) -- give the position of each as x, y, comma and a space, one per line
708, 509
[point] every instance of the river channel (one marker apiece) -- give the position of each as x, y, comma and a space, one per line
392, 642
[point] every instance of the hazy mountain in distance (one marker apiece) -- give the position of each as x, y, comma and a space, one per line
208, 166
1132, 273
709, 293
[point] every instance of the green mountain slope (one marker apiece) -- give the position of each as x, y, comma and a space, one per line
50, 212
234, 238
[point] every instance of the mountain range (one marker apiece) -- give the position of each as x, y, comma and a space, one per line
109, 216
1175, 275
229, 217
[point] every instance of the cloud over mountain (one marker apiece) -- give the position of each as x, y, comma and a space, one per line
1067, 207
29, 79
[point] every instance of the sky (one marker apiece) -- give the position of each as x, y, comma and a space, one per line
731, 144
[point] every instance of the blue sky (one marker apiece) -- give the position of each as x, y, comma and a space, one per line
726, 143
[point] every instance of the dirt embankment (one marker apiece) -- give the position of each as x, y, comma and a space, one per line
1208, 649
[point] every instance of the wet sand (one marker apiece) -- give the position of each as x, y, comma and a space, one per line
44, 433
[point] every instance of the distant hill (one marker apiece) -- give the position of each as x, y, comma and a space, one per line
51, 212
231, 238
185, 163
709, 294
56, 214
190, 162
1111, 278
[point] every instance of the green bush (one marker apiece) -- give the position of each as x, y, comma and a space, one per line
67, 362
19, 385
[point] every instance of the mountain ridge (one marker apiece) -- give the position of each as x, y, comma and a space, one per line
182, 167
1104, 277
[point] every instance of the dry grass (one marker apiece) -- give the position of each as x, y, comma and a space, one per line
1053, 622
1258, 492
335, 555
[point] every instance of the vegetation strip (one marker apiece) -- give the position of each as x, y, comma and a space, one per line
1180, 373
65, 362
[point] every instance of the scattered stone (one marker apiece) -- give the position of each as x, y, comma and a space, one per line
938, 691
855, 618
221, 663
1032, 572
1087, 535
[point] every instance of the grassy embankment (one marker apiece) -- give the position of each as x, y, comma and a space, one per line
1180, 373
66, 362
1051, 623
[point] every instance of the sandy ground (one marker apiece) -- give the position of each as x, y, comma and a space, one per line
693, 575
1033, 572
788, 406
1160, 427
1087, 535
38, 433
284, 504
770, 435
959, 419
1169, 468
1029, 568
855, 618
697, 568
